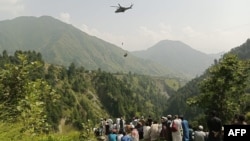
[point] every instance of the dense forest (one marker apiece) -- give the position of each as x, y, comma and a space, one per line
40, 98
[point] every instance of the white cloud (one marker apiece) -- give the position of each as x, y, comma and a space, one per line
151, 36
85, 28
106, 36
148, 33
161, 32
65, 17
12, 7
190, 32
91, 31
214, 41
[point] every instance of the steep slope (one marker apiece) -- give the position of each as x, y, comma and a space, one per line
63, 44
75, 95
177, 103
178, 56
243, 51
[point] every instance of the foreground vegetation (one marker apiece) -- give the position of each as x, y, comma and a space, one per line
11, 132
36, 97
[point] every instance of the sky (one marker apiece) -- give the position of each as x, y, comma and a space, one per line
209, 26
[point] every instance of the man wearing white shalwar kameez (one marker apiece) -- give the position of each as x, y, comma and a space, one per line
177, 135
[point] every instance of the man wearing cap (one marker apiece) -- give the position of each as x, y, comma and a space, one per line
163, 133
199, 135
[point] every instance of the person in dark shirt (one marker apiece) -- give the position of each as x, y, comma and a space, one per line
214, 127
191, 132
121, 124
169, 132
163, 133
150, 120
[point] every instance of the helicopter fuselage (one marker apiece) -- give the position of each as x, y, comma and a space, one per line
121, 9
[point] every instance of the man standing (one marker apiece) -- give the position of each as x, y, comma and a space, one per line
199, 135
214, 127
121, 124
163, 133
154, 131
185, 128
177, 134
169, 132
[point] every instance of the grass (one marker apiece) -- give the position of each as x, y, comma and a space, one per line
11, 132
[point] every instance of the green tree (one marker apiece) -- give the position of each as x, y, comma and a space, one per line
223, 87
23, 98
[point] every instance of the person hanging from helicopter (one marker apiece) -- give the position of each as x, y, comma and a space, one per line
121, 8
125, 54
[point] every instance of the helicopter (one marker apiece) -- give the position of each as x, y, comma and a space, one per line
121, 8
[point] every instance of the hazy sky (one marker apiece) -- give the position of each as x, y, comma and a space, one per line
210, 26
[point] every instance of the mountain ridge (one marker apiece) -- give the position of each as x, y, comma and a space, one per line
63, 44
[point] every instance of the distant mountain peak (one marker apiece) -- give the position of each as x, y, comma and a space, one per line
170, 44
178, 56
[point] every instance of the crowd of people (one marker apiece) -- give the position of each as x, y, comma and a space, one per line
169, 128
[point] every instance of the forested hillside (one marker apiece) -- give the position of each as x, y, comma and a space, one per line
43, 95
226, 83
243, 50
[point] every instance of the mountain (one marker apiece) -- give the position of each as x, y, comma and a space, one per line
63, 44
192, 87
178, 56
